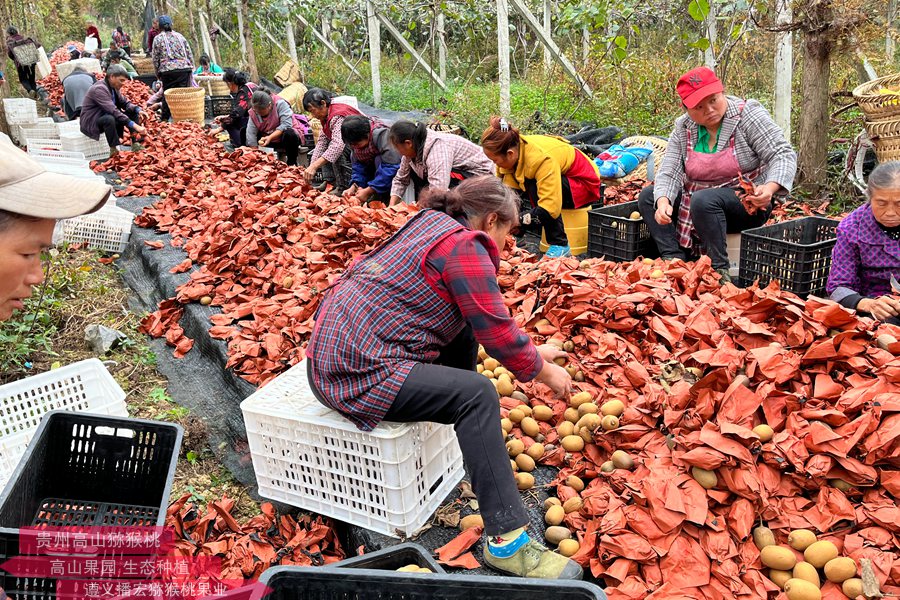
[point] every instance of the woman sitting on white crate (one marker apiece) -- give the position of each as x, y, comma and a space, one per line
31, 199
107, 112
396, 339
866, 255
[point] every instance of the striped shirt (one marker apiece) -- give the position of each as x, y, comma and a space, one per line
443, 153
758, 142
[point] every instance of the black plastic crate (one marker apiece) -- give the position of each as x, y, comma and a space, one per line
616, 236
795, 253
392, 558
86, 470
146, 79
217, 106
326, 583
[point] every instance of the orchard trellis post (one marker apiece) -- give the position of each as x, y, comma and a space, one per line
207, 42
441, 32
784, 68
374, 51
503, 55
546, 40
548, 17
240, 18
291, 42
404, 43
891, 19
709, 55
327, 43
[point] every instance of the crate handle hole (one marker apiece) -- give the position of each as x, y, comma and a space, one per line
115, 432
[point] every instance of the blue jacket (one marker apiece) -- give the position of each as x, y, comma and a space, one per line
379, 172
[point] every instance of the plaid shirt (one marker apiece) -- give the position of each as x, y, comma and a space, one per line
863, 259
443, 153
758, 143
399, 305
330, 148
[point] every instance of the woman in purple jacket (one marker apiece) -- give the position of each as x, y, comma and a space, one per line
867, 252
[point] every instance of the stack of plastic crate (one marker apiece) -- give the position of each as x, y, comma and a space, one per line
75, 141
42, 129
64, 163
19, 111
107, 229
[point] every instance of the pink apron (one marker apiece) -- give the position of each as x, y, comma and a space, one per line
703, 172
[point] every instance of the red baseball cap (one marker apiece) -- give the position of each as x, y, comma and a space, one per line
697, 84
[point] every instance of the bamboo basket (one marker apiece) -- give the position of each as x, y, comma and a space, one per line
878, 107
884, 128
887, 149
640, 172
213, 85
186, 104
143, 65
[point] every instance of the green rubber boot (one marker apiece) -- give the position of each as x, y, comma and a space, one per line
535, 561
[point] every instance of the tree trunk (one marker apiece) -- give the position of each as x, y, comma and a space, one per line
248, 40
817, 49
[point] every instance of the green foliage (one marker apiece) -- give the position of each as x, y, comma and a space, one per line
698, 9
159, 395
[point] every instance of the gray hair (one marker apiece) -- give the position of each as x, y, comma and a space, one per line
885, 176
116, 71
261, 99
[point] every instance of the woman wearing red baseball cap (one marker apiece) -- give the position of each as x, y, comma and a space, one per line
696, 199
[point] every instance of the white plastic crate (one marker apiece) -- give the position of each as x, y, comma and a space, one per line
78, 142
38, 131
390, 480
107, 229
43, 155
73, 126
71, 171
45, 144
85, 386
20, 110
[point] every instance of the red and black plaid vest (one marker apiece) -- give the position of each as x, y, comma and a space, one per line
379, 320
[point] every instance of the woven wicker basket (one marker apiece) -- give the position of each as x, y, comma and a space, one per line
143, 65
640, 172
887, 149
885, 128
213, 85
878, 107
186, 104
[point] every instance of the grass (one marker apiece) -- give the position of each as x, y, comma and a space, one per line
80, 290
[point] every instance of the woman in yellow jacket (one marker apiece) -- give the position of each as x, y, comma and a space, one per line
548, 171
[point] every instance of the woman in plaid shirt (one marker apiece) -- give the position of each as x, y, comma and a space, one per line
396, 339
433, 159
721, 139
